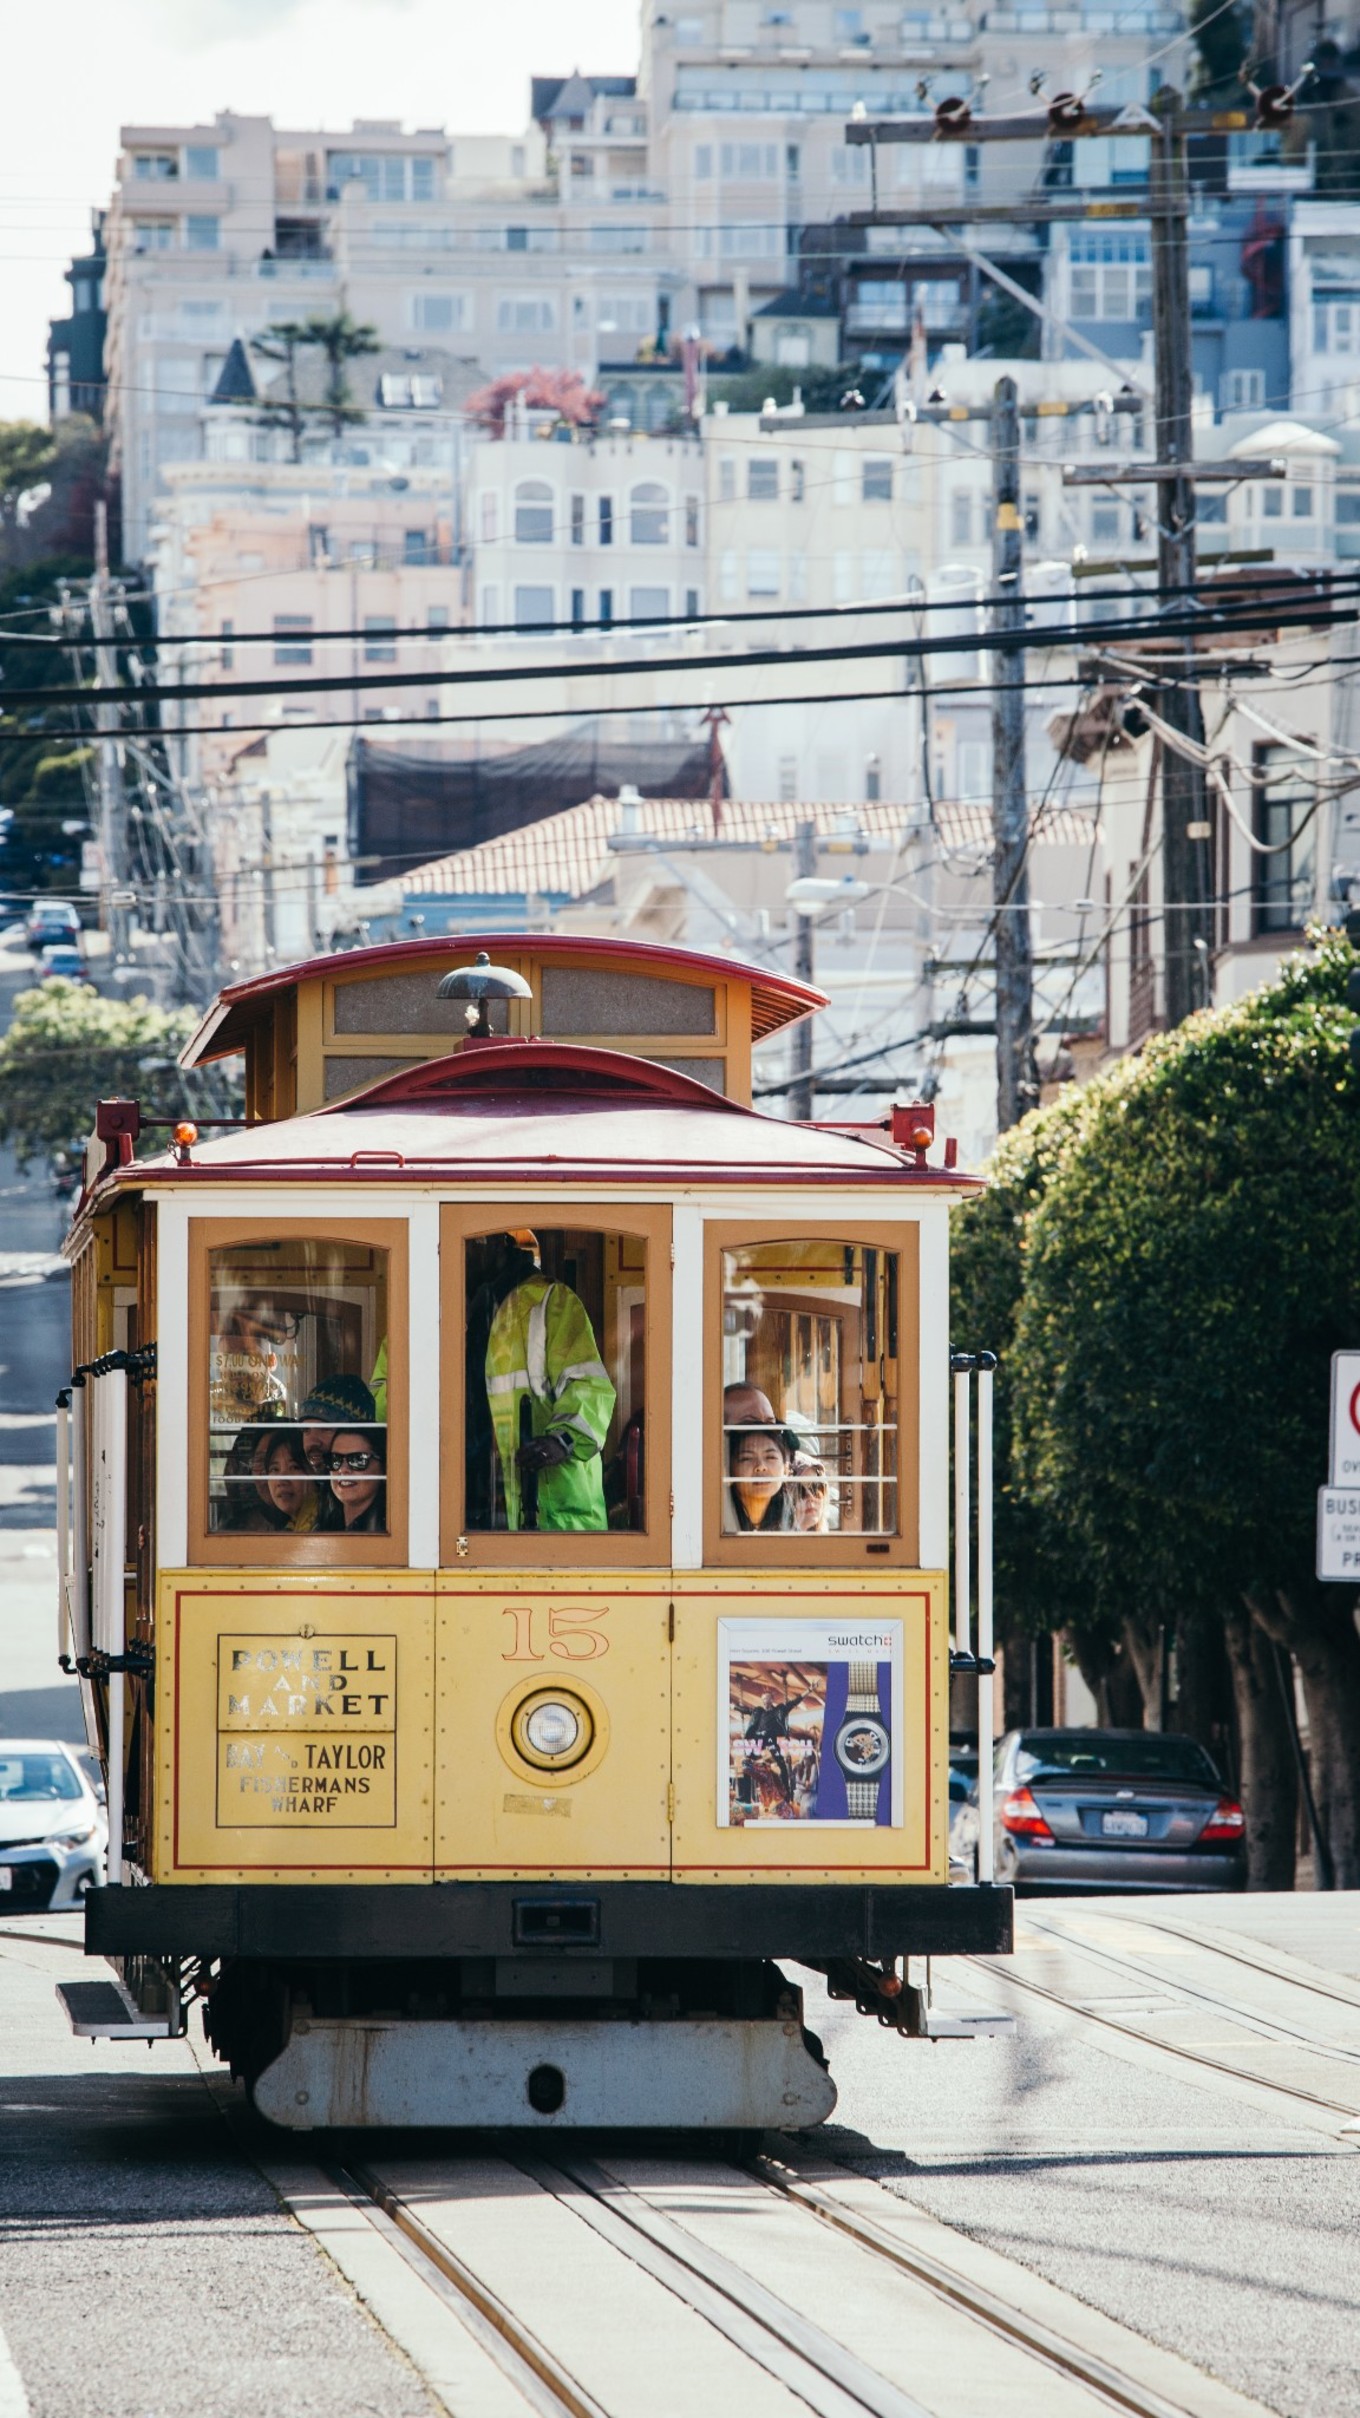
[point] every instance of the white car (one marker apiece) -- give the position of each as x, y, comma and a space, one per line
53, 1827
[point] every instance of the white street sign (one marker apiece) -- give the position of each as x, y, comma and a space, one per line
1338, 1533
1343, 1467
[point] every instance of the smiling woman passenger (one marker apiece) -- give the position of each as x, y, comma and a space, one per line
358, 1479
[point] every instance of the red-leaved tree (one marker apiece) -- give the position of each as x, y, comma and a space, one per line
561, 390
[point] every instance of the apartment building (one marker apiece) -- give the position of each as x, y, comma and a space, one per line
600, 529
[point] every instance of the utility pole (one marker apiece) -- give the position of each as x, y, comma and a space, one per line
113, 826
801, 1089
1017, 1081
1185, 824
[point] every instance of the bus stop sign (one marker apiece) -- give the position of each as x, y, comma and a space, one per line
1338, 1533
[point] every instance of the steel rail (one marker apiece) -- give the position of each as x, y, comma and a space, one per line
1323, 1986
1267, 2027
1029, 2334
1169, 2048
772, 2333
517, 2351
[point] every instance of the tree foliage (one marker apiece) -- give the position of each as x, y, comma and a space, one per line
67, 1048
561, 390
1186, 1244
27, 453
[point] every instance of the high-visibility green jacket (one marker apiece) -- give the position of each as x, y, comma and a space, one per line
542, 1348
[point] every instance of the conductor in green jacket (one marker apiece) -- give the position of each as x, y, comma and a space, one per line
550, 1400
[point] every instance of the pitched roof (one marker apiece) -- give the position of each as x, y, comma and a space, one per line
568, 855
236, 378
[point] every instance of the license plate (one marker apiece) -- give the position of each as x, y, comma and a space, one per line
1124, 1825
6, 1876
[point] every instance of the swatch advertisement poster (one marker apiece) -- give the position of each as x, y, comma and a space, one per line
809, 1719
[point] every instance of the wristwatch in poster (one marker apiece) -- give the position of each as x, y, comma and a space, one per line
862, 1743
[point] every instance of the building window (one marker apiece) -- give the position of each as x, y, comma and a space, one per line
152, 234
691, 604
201, 234
703, 162
533, 513
154, 167
578, 608
762, 572
873, 779
1285, 882
787, 780
1243, 390
762, 480
292, 639
1111, 276
438, 619
491, 607
606, 612
435, 314
1301, 503
200, 159
727, 480
876, 480
526, 314
1272, 503
649, 604
380, 638
1336, 327
797, 482
691, 520
534, 608
416, 546
961, 517
649, 515
578, 520
227, 658
606, 520
1105, 530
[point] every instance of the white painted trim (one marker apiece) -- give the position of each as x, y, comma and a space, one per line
424, 1394
172, 1384
397, 1200
687, 1391
934, 1395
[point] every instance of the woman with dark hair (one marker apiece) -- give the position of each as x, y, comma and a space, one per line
357, 1461
247, 1509
289, 1485
759, 1460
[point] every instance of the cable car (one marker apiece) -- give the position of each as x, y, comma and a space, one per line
504, 1509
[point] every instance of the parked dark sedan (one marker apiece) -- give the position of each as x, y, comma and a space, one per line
1114, 1810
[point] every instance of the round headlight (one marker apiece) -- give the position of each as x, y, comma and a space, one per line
552, 1729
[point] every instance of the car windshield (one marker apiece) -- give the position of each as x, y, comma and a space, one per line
31, 1779
1100, 1755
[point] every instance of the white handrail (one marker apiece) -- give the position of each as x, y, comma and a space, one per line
986, 1869
109, 1496
963, 1575
80, 1526
63, 1528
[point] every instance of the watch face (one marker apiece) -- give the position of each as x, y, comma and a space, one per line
862, 1747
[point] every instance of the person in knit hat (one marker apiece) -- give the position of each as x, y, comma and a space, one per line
333, 1403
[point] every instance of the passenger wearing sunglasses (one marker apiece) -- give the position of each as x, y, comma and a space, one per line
358, 1488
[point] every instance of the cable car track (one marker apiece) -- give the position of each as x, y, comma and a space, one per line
809, 2362
1193, 1997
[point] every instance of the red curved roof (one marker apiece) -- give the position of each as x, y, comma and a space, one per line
545, 1113
777, 1000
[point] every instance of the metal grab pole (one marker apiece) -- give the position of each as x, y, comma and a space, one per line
986, 1868
111, 1400
963, 1567
80, 1524
63, 1526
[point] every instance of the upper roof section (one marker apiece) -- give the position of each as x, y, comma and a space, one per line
317, 1033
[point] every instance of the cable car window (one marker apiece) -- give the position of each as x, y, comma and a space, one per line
555, 1380
297, 1389
810, 1389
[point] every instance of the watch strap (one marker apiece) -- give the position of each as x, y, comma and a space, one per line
862, 1687
861, 1799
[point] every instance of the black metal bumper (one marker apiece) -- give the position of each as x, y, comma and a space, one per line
507, 1918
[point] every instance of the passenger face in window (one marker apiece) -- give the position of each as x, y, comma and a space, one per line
759, 1467
287, 1484
358, 1477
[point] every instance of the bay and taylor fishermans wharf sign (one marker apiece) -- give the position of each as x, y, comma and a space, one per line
306, 1730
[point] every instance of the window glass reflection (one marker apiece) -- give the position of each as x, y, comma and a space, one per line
809, 1410
297, 1386
555, 1380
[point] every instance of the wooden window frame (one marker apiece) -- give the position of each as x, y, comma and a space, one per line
595, 1549
776, 1549
214, 1550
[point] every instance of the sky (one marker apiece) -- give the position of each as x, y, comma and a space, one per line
75, 75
